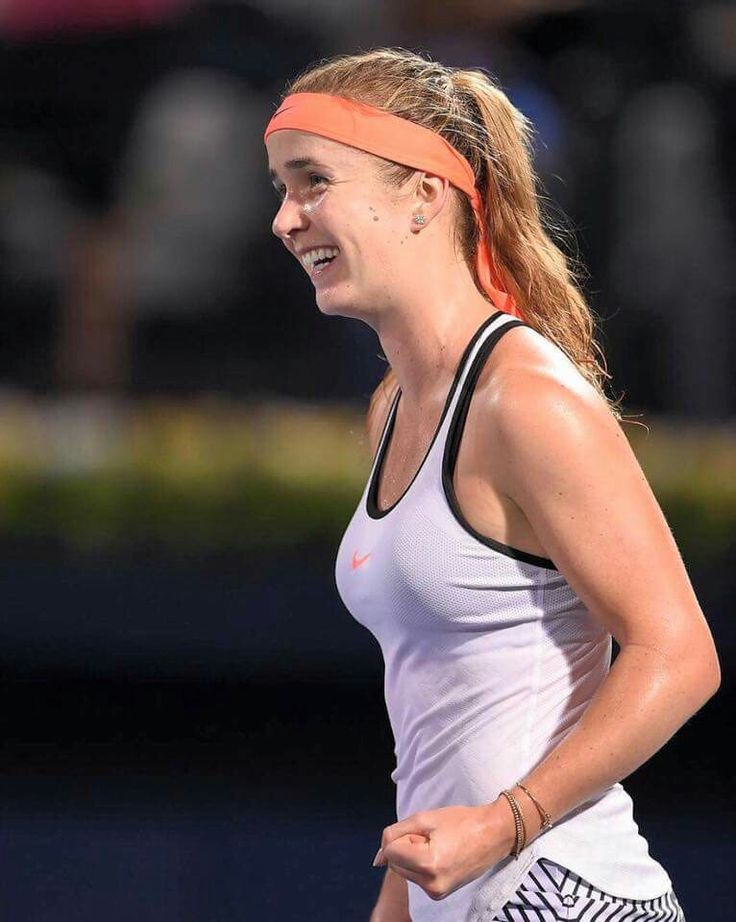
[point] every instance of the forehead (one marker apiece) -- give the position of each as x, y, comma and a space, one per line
288, 149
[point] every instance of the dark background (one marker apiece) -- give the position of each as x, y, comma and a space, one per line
189, 736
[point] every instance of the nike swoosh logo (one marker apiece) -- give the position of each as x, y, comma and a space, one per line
359, 561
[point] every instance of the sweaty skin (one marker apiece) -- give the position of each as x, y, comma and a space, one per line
309, 192
549, 448
312, 205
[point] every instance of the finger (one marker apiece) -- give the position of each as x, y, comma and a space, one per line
422, 877
411, 852
412, 824
421, 880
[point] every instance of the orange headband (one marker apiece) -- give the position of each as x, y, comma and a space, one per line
393, 138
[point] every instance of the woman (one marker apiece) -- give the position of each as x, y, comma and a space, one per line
506, 532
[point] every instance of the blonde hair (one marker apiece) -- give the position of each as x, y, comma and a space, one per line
473, 114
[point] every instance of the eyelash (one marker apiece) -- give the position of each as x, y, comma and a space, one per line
281, 190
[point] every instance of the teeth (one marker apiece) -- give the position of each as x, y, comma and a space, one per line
308, 259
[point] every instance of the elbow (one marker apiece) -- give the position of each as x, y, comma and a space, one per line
693, 672
706, 679
713, 668
714, 675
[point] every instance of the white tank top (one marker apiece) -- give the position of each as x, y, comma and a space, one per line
490, 659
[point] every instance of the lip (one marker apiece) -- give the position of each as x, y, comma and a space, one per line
312, 272
315, 246
316, 272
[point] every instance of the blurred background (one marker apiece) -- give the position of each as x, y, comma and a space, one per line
193, 727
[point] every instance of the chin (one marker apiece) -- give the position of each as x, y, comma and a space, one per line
332, 305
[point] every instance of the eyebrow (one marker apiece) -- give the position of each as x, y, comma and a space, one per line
299, 163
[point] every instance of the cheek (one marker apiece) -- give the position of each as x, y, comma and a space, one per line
374, 214
314, 204
383, 222
368, 227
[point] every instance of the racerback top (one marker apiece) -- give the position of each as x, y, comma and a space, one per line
490, 659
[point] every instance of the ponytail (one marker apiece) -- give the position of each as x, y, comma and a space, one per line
474, 115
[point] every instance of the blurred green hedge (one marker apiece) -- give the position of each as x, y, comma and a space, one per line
210, 475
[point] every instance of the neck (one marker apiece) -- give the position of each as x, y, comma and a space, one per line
425, 334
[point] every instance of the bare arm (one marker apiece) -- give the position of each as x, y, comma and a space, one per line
559, 454
393, 900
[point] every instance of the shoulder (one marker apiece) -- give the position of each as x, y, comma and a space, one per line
527, 376
523, 354
538, 410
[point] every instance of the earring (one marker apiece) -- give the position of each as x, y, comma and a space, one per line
419, 219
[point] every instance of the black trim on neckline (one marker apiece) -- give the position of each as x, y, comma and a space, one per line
371, 504
452, 446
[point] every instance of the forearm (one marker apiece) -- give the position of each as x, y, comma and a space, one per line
643, 701
392, 904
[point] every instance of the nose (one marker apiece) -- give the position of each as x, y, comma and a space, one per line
289, 217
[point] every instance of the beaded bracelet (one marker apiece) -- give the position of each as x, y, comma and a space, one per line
543, 815
519, 826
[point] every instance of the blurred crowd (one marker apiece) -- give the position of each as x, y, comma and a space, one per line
135, 246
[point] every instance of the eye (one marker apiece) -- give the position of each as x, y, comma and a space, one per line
314, 179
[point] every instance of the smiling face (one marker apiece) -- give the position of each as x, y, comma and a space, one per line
340, 219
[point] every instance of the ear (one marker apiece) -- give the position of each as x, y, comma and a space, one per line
431, 195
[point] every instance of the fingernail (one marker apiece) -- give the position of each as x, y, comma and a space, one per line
377, 859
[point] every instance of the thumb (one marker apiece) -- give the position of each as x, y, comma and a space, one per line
413, 825
408, 851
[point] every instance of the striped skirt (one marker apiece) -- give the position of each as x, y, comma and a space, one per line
550, 893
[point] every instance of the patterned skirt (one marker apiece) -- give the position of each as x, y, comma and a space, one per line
551, 893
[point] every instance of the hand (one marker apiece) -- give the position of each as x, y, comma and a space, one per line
443, 849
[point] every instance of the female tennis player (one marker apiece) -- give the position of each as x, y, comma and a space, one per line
506, 532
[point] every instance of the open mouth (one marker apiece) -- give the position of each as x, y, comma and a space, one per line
321, 264
317, 260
